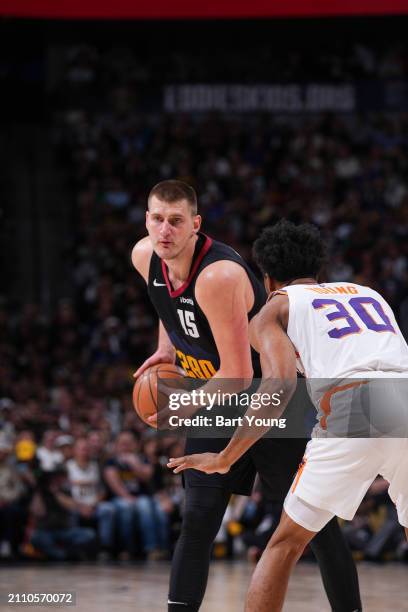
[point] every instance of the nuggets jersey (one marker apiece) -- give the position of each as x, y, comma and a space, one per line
343, 330
85, 482
181, 315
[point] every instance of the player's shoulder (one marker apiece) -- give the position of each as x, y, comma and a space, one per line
220, 251
221, 274
141, 256
276, 309
142, 247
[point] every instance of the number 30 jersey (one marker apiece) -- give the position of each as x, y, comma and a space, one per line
343, 330
181, 315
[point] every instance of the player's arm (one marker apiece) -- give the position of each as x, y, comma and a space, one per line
253, 339
225, 295
278, 362
165, 353
141, 255
279, 374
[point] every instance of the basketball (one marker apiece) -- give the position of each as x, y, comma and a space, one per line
147, 399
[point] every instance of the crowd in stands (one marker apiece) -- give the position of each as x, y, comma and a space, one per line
80, 474
84, 496
346, 174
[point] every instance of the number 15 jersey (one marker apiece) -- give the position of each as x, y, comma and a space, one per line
344, 330
181, 315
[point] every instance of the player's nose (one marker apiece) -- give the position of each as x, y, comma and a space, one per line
165, 229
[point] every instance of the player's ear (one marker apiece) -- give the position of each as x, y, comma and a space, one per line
196, 223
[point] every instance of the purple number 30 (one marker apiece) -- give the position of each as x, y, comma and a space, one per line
358, 305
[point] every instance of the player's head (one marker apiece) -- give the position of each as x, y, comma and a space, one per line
286, 252
171, 219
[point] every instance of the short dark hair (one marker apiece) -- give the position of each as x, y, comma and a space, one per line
173, 191
286, 251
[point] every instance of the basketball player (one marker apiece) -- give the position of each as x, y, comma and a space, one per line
205, 295
341, 331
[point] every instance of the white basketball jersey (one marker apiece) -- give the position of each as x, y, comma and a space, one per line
343, 330
85, 483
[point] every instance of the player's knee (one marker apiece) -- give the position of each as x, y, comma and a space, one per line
193, 524
288, 548
199, 523
287, 544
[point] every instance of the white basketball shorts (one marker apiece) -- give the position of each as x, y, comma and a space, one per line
337, 472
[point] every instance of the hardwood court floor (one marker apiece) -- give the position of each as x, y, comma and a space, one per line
143, 588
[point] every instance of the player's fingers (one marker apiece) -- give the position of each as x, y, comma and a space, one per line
152, 419
180, 468
175, 461
146, 364
143, 367
140, 370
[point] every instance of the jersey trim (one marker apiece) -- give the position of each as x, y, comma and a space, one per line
177, 292
278, 292
325, 401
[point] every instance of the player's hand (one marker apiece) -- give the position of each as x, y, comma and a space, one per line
161, 418
159, 356
204, 462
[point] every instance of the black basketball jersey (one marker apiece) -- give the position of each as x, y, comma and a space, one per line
183, 319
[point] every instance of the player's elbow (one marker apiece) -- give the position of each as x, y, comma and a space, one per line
287, 383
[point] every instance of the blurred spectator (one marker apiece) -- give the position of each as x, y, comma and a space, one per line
47, 454
53, 534
375, 531
27, 463
88, 492
65, 445
25, 446
258, 521
97, 446
127, 476
12, 512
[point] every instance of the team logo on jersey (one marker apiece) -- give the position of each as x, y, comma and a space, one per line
184, 300
195, 368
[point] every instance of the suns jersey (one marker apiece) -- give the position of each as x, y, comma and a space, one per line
343, 330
